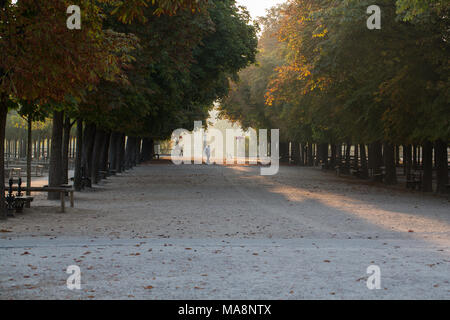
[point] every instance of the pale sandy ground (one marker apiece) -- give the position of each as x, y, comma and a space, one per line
211, 232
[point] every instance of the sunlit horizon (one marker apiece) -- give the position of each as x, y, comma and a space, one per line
257, 8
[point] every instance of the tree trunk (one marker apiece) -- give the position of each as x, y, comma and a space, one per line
120, 153
407, 159
113, 144
389, 162
65, 150
302, 155
3, 116
48, 151
310, 155
375, 157
356, 157
88, 146
284, 152
105, 152
427, 179
348, 163
364, 167
397, 156
55, 175
146, 154
129, 152
323, 154
29, 147
295, 152
137, 151
441, 166
332, 162
96, 154
38, 148
77, 180
339, 154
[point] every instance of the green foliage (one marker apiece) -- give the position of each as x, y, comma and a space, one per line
181, 67
340, 82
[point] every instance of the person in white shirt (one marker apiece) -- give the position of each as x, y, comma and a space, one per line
207, 153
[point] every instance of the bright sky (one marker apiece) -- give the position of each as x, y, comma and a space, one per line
258, 8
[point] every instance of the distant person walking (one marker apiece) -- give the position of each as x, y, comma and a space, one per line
207, 153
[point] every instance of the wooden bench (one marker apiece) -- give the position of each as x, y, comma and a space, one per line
61, 190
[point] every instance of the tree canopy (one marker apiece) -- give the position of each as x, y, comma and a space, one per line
326, 77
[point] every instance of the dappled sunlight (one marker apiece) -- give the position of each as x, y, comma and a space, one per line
313, 200
242, 168
414, 223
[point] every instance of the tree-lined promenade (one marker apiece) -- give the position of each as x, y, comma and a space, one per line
162, 231
136, 69
352, 98
344, 96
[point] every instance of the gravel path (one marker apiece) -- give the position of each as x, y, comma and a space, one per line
213, 232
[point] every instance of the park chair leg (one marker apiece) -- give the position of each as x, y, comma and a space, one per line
63, 202
71, 199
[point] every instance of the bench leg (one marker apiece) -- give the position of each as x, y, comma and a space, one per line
71, 199
63, 201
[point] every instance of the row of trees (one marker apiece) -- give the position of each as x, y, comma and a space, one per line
136, 70
16, 135
328, 81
